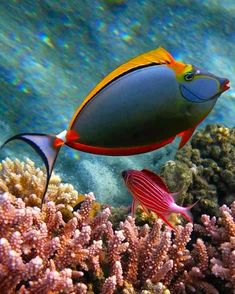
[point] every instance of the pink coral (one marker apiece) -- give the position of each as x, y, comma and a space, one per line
221, 245
42, 253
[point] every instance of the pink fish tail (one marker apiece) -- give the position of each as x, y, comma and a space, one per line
185, 211
187, 214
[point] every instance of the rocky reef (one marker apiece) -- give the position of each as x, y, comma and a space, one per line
41, 251
205, 169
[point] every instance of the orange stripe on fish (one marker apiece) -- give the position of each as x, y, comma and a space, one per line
118, 151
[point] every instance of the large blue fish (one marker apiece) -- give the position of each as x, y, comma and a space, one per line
140, 106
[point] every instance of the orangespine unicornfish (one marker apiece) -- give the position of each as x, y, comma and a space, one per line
149, 190
139, 107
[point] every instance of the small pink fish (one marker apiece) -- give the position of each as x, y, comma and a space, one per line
148, 189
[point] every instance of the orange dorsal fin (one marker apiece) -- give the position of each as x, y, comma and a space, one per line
177, 66
158, 56
156, 179
186, 135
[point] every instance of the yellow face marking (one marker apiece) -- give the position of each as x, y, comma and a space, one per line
180, 76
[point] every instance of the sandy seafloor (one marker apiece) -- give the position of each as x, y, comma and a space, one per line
53, 52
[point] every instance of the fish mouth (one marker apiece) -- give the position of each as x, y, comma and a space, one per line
225, 85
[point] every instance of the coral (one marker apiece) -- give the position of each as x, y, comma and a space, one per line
219, 242
205, 169
41, 252
24, 180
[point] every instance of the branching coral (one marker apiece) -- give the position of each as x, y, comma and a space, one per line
24, 180
220, 245
41, 252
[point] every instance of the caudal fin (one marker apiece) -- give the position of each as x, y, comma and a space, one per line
187, 213
45, 146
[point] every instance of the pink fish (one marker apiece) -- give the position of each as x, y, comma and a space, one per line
148, 189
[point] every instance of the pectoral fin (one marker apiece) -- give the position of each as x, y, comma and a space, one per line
133, 207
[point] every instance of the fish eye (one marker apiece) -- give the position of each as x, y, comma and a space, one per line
189, 76
124, 174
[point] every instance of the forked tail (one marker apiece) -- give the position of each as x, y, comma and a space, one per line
47, 146
187, 213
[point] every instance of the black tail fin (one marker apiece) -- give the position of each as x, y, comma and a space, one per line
44, 146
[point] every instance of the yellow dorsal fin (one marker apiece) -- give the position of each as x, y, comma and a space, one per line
158, 56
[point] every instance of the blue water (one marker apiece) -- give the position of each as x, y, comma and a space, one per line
53, 52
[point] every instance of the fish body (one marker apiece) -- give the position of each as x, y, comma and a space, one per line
144, 104
135, 110
140, 106
150, 191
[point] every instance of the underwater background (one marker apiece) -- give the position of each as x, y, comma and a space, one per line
52, 53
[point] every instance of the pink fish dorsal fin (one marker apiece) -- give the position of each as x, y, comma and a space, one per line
186, 135
156, 179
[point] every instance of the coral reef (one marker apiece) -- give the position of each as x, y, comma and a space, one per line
24, 180
205, 169
219, 246
40, 252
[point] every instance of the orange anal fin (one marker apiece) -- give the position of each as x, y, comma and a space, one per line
119, 151
145, 209
72, 136
186, 135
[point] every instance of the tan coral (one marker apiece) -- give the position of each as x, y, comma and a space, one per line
24, 180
